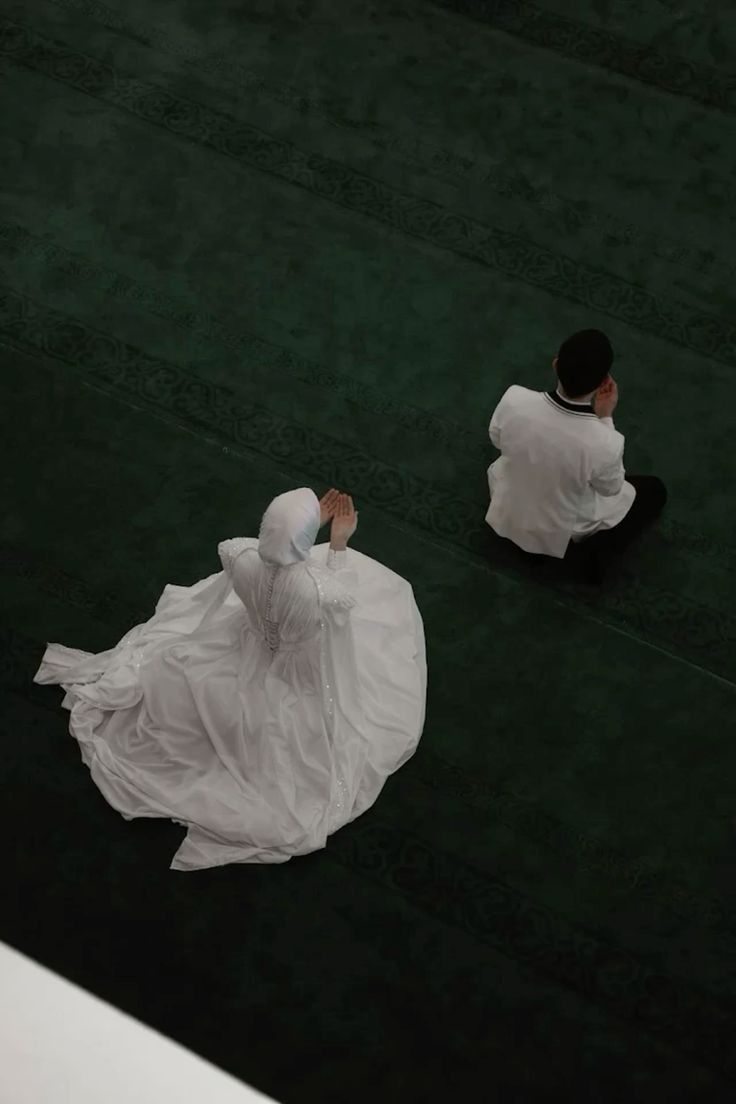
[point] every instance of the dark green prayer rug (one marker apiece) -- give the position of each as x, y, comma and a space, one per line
247, 247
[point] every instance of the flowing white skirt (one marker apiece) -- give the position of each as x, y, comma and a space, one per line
190, 718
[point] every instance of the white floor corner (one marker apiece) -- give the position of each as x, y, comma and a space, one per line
60, 1045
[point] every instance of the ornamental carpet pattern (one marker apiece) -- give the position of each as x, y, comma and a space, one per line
248, 247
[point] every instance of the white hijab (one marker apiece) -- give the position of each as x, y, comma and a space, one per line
289, 528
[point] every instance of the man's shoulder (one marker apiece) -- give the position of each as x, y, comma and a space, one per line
591, 429
516, 393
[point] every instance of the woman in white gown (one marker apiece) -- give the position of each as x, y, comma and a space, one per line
263, 707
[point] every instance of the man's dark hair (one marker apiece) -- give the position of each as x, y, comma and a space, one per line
583, 362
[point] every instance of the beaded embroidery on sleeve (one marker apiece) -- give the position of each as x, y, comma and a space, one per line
229, 550
332, 591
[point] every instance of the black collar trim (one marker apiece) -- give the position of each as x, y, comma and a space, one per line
586, 409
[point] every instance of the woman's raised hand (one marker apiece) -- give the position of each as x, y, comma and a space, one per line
344, 523
327, 505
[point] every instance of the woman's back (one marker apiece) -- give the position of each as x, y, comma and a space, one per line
281, 603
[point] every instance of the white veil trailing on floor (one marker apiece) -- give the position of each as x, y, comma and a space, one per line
262, 707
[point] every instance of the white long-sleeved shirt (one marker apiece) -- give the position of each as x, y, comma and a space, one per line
560, 476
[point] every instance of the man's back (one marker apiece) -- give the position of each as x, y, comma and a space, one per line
560, 475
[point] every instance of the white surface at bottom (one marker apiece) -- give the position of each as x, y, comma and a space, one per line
59, 1044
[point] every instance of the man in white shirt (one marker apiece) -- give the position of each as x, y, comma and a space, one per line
559, 488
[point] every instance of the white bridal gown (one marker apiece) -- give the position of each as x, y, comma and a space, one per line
263, 708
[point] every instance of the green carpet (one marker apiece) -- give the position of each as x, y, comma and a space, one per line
247, 247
